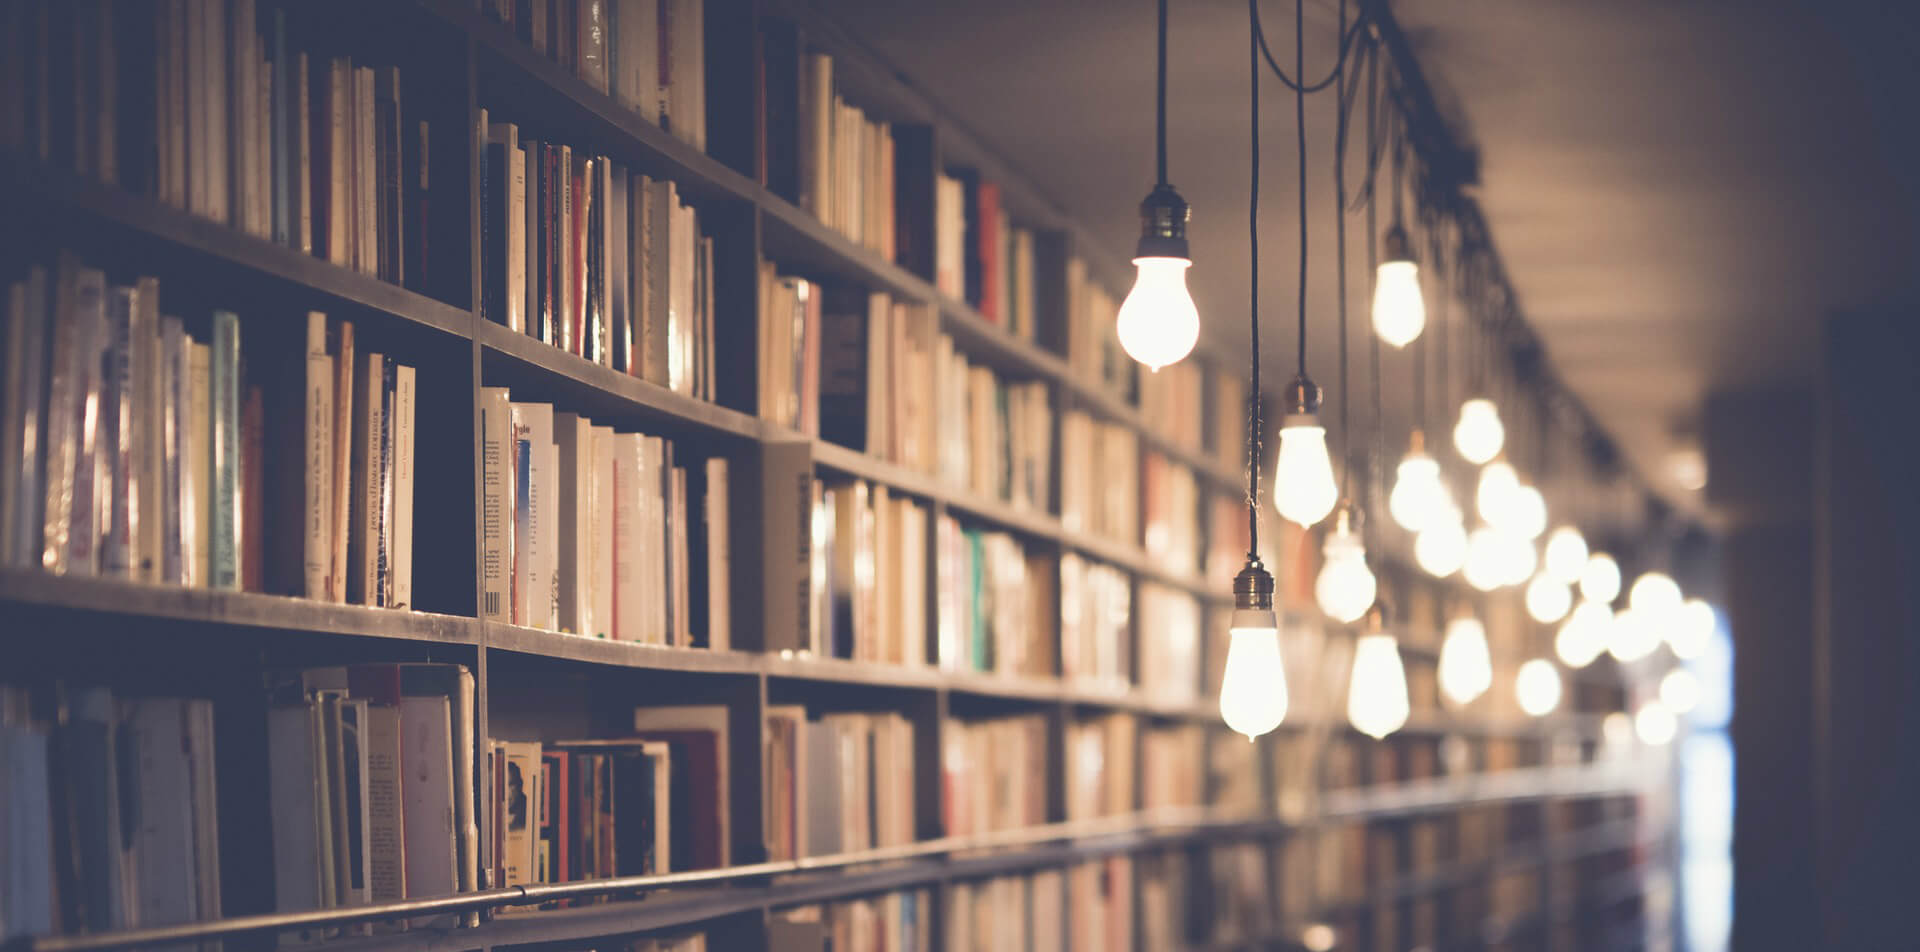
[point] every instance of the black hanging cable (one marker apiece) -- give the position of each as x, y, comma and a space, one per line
1340, 265
1253, 287
1346, 37
1373, 269
1300, 123
1160, 98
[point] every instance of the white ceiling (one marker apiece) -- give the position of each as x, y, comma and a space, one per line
1680, 190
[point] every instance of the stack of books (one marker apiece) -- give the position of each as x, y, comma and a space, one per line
1099, 478
596, 259
200, 105
837, 783
994, 774
135, 451
995, 601
598, 533
649, 55
110, 809
869, 584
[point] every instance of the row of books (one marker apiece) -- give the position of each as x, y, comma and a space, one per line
994, 774
370, 772
1100, 765
1172, 765
200, 105
1094, 353
600, 533
837, 782
1170, 622
869, 581
649, 55
1099, 477
998, 432
651, 802
1023, 913
846, 160
891, 922
1171, 521
596, 259
135, 451
1173, 405
980, 256
109, 803
1096, 623
995, 600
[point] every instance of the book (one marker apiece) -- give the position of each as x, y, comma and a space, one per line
496, 504
697, 735
400, 550
23, 453
368, 499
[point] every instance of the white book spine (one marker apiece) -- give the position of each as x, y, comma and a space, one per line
600, 579
317, 514
629, 597
515, 226
150, 427
496, 512
196, 493
719, 557
401, 554
427, 798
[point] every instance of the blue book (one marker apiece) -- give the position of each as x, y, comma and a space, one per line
224, 534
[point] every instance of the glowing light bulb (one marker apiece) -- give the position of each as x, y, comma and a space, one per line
1345, 587
1493, 495
1377, 696
1635, 634
1399, 310
1517, 558
1537, 687
1418, 494
1566, 556
1655, 724
1526, 512
1600, 580
1693, 627
1654, 592
1486, 567
1616, 729
1584, 634
1253, 691
1158, 324
1478, 435
1441, 546
1466, 669
1548, 599
1303, 485
1680, 691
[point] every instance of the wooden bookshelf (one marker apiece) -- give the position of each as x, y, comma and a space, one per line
237, 635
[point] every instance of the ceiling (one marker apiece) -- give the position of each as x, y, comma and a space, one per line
1680, 190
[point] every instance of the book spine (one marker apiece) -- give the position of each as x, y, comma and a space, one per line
520, 560
196, 495
383, 558
318, 452
496, 509
149, 429
364, 543
629, 490
404, 401
385, 832
223, 538
173, 347
600, 580
516, 238
341, 504
118, 435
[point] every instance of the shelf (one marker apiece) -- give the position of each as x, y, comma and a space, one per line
589, 386
67, 198
894, 476
117, 598
540, 643
793, 238
1427, 796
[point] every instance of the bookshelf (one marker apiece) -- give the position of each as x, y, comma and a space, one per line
531, 683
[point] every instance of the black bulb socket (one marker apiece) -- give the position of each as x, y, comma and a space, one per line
1253, 588
1302, 397
1163, 225
1398, 247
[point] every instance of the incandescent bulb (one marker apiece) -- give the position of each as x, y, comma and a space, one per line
1566, 556
1486, 567
1303, 486
1377, 695
1600, 580
1158, 323
1441, 546
1693, 626
1680, 690
1345, 587
1466, 669
1517, 558
1526, 512
1253, 691
1418, 495
1493, 495
1478, 436
1635, 634
1654, 592
1655, 724
1616, 729
1548, 599
1537, 687
1584, 634
1399, 310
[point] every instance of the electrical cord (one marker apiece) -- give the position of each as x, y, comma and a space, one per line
1253, 289
1340, 257
1160, 90
1347, 37
1300, 125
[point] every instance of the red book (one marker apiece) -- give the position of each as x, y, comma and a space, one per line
695, 784
556, 817
987, 196
579, 257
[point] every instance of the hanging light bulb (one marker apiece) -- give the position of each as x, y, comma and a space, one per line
1466, 669
1537, 687
1680, 691
1399, 310
1566, 556
1345, 587
1493, 494
1517, 558
1158, 323
1693, 627
1548, 599
1635, 634
1526, 512
1655, 724
1600, 580
1303, 484
1486, 566
1655, 593
1253, 690
1418, 494
1584, 634
1377, 696
1478, 436
1441, 547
